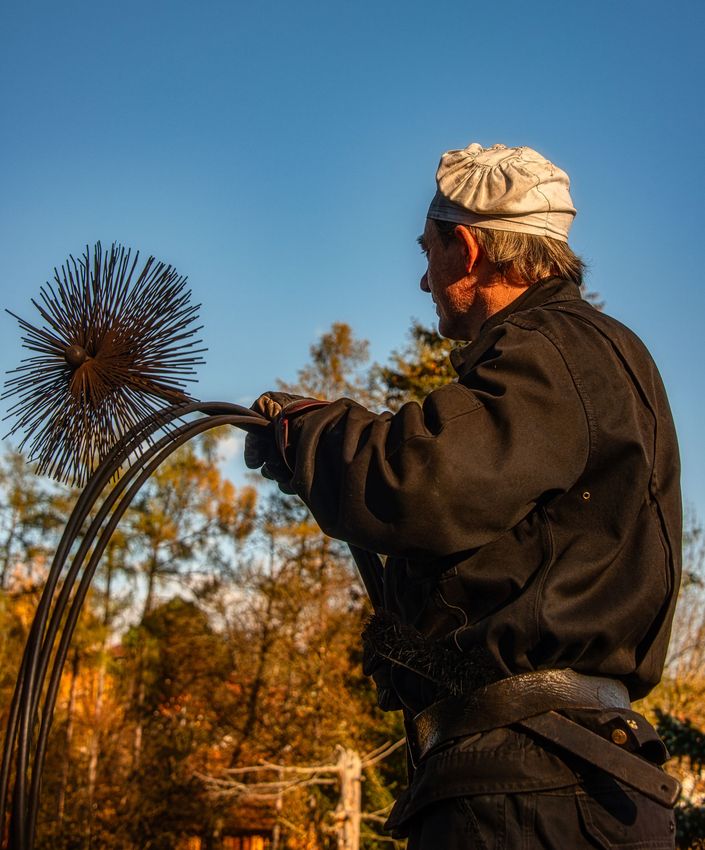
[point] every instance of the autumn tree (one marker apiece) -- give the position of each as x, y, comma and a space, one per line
336, 367
294, 627
32, 513
183, 530
422, 366
185, 664
186, 526
675, 706
186, 521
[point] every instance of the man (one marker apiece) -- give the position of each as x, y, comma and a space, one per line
530, 514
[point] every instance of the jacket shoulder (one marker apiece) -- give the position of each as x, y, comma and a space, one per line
579, 316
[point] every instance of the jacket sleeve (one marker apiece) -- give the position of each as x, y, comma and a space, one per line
455, 473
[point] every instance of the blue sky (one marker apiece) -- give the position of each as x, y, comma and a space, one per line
282, 156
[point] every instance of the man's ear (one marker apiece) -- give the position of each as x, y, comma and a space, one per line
470, 247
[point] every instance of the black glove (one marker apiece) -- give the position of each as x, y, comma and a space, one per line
261, 447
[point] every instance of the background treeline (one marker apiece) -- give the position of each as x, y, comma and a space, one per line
222, 632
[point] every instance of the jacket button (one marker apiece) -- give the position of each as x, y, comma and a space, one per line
619, 736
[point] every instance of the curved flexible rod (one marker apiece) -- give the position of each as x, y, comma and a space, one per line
23, 697
26, 696
60, 605
47, 626
24, 706
157, 456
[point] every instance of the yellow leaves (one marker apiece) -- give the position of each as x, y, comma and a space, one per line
228, 491
20, 604
335, 368
301, 530
236, 510
177, 705
421, 367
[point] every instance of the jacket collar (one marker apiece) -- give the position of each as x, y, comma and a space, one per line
549, 291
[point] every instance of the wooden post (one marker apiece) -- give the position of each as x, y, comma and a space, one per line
348, 811
278, 806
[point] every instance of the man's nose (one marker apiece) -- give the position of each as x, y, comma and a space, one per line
424, 283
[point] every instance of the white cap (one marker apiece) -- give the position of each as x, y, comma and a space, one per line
503, 188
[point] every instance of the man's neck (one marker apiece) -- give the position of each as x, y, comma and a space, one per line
495, 292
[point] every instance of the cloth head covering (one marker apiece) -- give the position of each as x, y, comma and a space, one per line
503, 188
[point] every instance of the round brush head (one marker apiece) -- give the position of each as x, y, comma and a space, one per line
116, 344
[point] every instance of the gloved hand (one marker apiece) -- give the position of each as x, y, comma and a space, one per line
261, 447
271, 404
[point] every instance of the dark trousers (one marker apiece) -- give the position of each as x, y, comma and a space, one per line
605, 815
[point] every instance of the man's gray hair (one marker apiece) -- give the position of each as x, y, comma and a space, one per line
529, 257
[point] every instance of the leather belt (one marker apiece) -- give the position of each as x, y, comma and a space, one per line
530, 701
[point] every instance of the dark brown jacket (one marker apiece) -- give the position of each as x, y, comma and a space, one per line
531, 508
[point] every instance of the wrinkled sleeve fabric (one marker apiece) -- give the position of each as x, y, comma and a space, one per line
456, 473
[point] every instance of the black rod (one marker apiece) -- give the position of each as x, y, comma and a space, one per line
37, 650
26, 705
151, 460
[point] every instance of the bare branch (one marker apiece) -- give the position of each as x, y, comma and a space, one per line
381, 753
379, 813
257, 790
283, 768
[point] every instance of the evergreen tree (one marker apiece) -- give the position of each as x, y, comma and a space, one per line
415, 371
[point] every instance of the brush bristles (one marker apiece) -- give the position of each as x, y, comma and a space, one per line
110, 353
455, 673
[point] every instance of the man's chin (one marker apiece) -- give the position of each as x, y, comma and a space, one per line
448, 331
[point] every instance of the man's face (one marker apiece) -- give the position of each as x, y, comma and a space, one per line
453, 290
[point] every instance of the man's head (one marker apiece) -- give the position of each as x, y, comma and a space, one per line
498, 223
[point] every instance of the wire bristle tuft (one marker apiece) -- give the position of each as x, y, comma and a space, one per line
116, 345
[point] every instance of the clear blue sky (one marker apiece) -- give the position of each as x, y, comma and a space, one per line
282, 155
